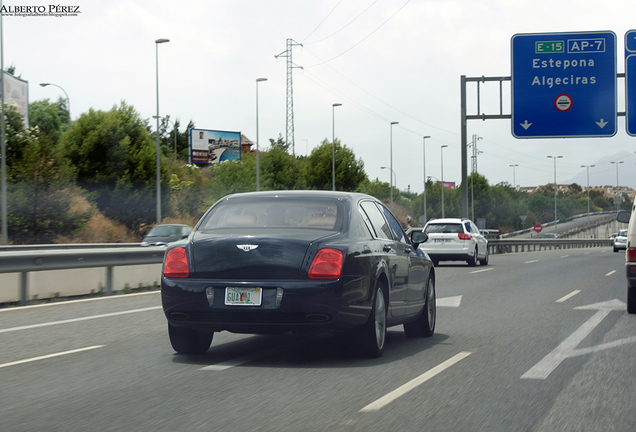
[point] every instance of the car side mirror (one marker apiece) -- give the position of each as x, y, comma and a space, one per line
623, 216
418, 237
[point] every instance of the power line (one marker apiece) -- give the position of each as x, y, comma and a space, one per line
346, 25
321, 22
365, 38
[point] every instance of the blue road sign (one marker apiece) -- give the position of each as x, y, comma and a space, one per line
564, 85
630, 82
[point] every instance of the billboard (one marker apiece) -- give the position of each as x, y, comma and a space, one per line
448, 185
16, 93
213, 146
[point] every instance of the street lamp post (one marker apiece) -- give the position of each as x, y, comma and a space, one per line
588, 190
258, 171
391, 160
333, 145
3, 148
555, 191
514, 182
158, 162
68, 101
617, 192
442, 153
424, 169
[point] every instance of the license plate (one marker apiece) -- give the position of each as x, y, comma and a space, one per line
235, 296
441, 240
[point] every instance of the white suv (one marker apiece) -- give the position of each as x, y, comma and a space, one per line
454, 239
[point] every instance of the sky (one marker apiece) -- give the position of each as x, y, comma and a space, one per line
383, 60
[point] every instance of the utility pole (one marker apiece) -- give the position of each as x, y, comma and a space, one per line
289, 131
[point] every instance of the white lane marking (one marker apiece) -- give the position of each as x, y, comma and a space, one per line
564, 298
255, 356
60, 303
611, 273
479, 271
533, 261
49, 356
567, 348
390, 397
74, 320
564, 256
448, 301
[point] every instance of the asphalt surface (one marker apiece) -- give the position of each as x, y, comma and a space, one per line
511, 353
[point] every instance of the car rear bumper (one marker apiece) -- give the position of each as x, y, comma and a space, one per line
311, 306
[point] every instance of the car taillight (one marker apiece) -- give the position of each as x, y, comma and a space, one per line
326, 265
176, 264
631, 255
463, 236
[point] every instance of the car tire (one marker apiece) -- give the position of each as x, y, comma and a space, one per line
425, 324
371, 338
185, 340
472, 261
435, 262
615, 250
631, 300
484, 261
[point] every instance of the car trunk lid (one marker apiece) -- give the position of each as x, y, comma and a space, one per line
277, 254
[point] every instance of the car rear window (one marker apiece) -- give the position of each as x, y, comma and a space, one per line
275, 212
443, 228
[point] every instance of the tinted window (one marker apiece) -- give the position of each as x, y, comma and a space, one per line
394, 224
275, 212
378, 222
467, 225
445, 228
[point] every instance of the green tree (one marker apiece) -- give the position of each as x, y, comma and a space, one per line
40, 190
114, 158
50, 118
280, 170
349, 170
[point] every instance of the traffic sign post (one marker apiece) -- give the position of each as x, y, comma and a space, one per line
564, 85
630, 82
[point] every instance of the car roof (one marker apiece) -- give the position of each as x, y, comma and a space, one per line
448, 220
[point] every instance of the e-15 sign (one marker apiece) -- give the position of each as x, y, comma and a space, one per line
548, 47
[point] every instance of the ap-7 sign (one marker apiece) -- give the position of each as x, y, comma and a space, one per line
564, 85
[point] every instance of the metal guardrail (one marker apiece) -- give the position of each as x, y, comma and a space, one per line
18, 248
61, 257
26, 261
502, 246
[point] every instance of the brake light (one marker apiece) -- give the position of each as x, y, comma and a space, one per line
463, 236
176, 263
631, 255
326, 265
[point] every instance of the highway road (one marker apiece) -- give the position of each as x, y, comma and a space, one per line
536, 341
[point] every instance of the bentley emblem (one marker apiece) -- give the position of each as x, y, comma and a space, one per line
247, 247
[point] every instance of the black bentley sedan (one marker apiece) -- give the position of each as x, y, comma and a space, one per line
302, 261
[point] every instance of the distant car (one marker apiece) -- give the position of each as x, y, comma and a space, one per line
549, 236
630, 256
454, 239
620, 241
163, 235
300, 261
